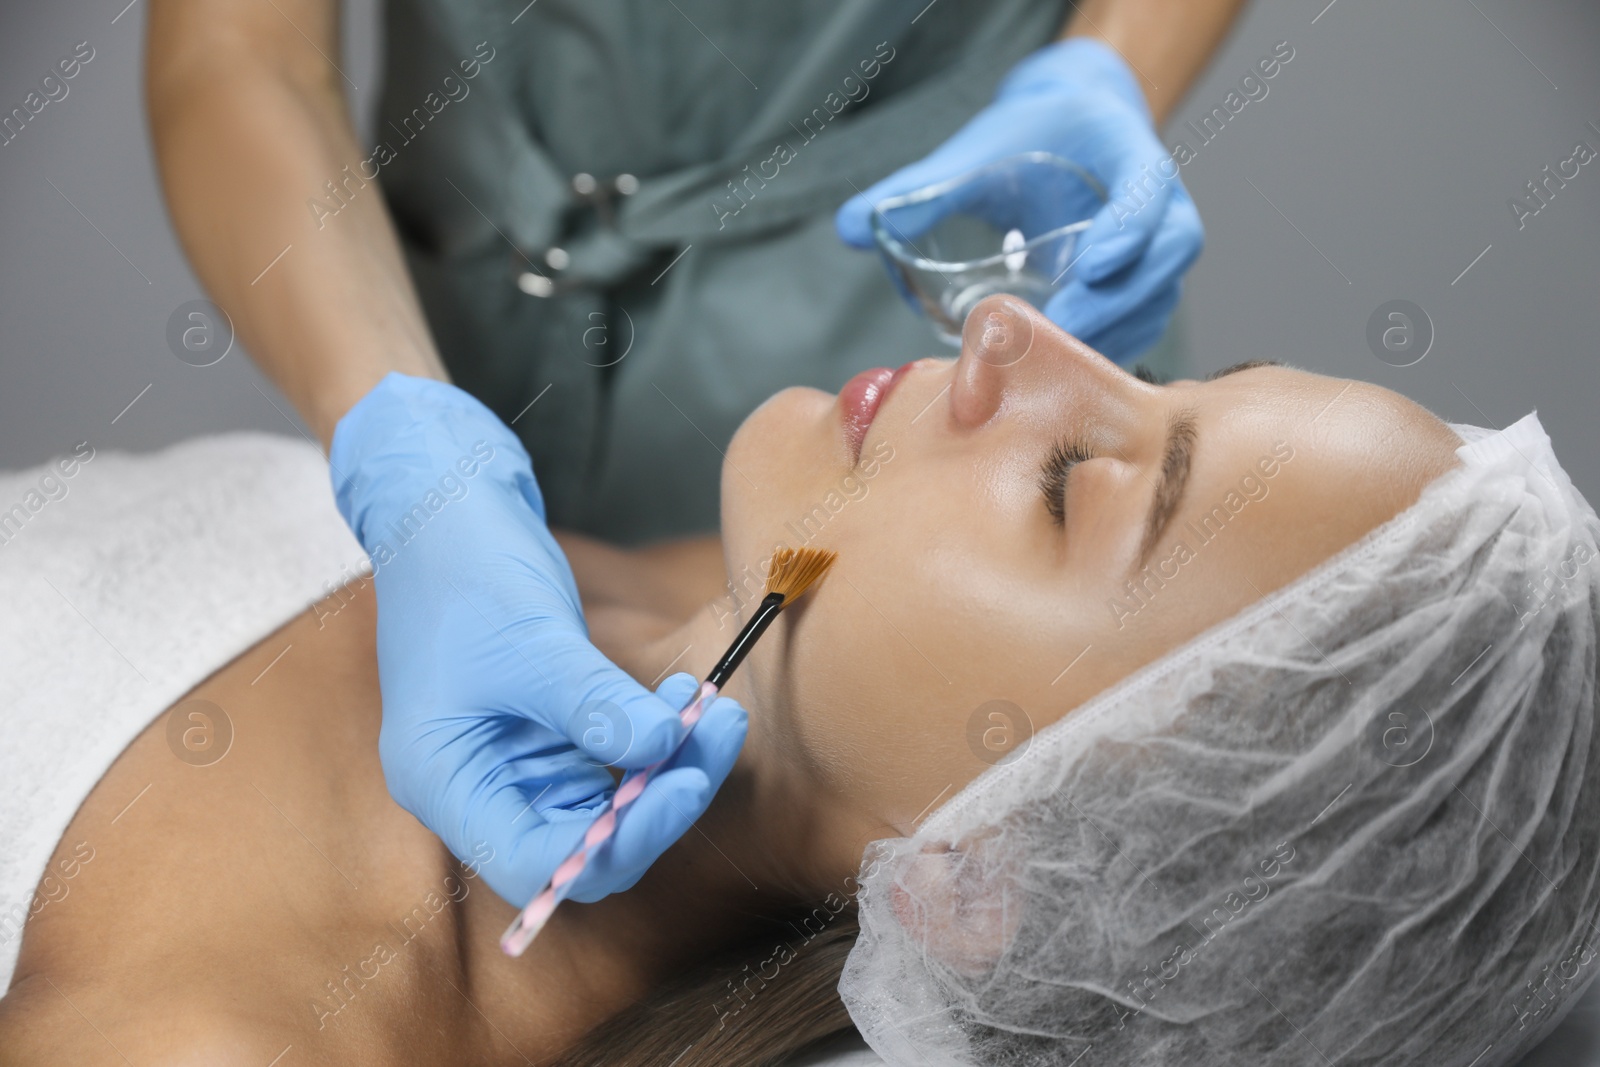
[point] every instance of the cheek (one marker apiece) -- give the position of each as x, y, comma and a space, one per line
870, 713
892, 668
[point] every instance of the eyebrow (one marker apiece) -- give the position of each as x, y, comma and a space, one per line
1176, 459
1249, 364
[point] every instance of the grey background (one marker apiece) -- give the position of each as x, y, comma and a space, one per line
1378, 167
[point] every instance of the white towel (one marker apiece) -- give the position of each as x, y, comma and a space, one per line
124, 585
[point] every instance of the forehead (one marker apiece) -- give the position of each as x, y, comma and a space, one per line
1273, 380
1361, 453
1314, 408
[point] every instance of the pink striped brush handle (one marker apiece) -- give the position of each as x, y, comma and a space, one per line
520, 934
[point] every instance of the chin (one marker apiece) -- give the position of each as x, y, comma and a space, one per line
784, 448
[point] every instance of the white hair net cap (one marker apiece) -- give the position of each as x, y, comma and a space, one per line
1357, 823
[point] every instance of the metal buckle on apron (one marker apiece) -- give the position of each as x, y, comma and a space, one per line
594, 193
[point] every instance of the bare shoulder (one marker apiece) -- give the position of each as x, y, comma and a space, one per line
47, 1021
42, 1024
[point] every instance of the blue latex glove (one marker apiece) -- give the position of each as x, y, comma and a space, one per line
1078, 99
497, 711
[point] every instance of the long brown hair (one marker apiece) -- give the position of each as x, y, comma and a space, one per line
728, 1012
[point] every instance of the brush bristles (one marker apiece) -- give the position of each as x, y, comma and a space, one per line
794, 570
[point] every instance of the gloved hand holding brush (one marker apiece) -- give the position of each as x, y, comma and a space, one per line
499, 716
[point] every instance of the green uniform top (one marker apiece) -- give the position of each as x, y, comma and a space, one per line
621, 212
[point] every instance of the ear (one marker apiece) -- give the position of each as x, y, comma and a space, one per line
962, 906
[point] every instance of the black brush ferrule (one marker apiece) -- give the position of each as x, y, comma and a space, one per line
771, 604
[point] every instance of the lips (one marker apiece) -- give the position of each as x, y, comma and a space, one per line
859, 401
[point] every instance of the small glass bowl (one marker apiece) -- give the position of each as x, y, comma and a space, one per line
1011, 226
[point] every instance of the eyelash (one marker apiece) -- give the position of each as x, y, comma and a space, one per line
1067, 453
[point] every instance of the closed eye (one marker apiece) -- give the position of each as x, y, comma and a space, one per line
1067, 453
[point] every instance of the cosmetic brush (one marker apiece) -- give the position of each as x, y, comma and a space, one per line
791, 572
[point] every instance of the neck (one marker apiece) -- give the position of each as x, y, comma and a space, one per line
761, 850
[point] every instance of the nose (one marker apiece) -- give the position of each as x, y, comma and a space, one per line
1007, 346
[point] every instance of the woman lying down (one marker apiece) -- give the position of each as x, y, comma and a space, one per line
1249, 720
